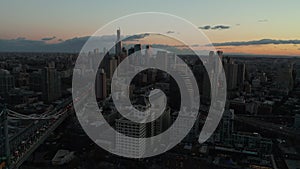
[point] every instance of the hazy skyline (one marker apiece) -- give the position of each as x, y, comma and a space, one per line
223, 22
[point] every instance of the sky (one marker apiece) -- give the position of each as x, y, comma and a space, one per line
246, 23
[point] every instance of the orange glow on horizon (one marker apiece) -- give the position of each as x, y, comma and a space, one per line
292, 50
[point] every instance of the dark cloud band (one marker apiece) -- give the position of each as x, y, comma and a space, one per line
48, 38
258, 42
216, 27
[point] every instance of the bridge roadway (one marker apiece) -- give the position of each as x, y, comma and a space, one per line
31, 148
32, 137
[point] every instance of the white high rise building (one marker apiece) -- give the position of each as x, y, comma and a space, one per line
127, 143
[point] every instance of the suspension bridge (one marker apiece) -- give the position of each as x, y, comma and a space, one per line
23, 134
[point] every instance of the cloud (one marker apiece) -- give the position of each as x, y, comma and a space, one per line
20, 43
136, 37
169, 32
207, 27
263, 20
72, 45
216, 27
48, 38
221, 27
257, 42
25, 45
178, 49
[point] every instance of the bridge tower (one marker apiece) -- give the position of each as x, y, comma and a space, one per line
4, 140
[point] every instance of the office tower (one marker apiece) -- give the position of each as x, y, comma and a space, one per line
4, 139
214, 69
148, 54
51, 84
285, 76
129, 145
163, 122
226, 127
21, 79
175, 93
137, 54
7, 83
151, 76
122, 71
109, 63
203, 82
188, 85
131, 58
186, 118
174, 98
241, 75
92, 58
211, 61
113, 64
137, 47
158, 105
122, 56
130, 51
220, 54
35, 81
141, 130
162, 59
118, 43
231, 72
101, 85
172, 60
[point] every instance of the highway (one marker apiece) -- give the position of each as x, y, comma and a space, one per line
271, 127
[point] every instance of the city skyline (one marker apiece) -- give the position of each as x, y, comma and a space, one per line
149, 84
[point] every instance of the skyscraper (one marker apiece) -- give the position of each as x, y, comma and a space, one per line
118, 43
113, 64
132, 58
6, 82
51, 84
220, 54
35, 81
285, 76
186, 118
101, 85
109, 64
241, 75
162, 59
231, 72
130, 145
225, 130
137, 54
226, 127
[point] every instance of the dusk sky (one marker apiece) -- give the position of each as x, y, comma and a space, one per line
245, 23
